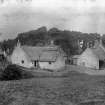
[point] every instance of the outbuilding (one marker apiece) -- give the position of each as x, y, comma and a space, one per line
93, 57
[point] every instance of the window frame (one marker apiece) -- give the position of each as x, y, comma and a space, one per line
50, 62
22, 61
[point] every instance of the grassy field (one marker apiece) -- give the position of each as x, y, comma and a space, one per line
73, 89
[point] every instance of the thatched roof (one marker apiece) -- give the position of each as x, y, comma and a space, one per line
75, 56
99, 52
41, 53
48, 56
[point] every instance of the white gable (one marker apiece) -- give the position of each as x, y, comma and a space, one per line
88, 59
19, 57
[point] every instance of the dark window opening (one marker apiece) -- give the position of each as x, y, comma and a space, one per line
49, 62
83, 63
2, 57
101, 64
35, 63
22, 61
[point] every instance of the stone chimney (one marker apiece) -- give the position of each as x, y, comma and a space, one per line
18, 43
51, 42
81, 43
4, 53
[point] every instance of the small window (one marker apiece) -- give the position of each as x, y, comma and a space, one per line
83, 63
49, 62
22, 61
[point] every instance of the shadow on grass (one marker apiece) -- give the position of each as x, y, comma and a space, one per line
13, 72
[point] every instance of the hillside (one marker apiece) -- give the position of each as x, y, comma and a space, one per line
68, 40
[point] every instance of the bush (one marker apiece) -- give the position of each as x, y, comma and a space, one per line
11, 72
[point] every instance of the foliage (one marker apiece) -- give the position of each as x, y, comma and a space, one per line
68, 40
103, 39
13, 72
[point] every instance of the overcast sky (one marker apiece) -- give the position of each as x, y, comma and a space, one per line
78, 15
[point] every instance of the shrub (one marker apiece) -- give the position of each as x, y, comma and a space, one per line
11, 72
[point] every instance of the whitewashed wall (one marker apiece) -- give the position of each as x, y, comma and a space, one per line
18, 55
59, 63
88, 59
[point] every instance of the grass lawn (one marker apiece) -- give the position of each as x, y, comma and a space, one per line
75, 89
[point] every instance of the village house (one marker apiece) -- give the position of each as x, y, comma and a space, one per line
74, 59
93, 57
44, 57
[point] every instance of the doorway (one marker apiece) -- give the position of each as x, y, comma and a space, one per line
101, 64
35, 63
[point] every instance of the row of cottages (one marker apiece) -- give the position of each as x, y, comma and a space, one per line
93, 57
45, 57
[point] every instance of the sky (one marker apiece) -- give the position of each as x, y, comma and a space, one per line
18, 16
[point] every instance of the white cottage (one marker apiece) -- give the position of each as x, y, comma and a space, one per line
46, 57
51, 59
93, 57
74, 59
